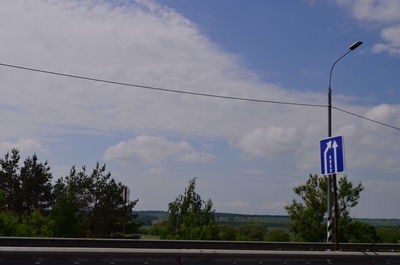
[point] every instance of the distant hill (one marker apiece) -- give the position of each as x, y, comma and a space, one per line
151, 217
275, 221
272, 221
388, 223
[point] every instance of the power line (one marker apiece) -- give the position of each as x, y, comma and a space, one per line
365, 118
192, 93
161, 89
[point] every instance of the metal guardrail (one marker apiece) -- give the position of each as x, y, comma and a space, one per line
189, 244
98, 256
60, 251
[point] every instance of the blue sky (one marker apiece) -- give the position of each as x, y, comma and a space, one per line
247, 156
293, 44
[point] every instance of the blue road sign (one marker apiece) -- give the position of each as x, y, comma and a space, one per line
332, 155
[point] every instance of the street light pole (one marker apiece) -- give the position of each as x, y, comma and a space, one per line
332, 178
351, 48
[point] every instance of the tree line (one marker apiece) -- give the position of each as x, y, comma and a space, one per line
81, 204
190, 217
90, 204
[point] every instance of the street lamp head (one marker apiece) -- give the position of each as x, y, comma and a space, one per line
355, 45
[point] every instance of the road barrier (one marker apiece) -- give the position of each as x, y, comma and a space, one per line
189, 244
116, 251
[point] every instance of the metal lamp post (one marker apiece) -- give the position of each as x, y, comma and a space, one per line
332, 178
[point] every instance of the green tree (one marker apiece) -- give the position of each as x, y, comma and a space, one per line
277, 235
68, 218
36, 185
10, 182
308, 222
359, 232
30, 225
251, 232
35, 225
226, 232
189, 217
92, 205
109, 209
156, 230
8, 223
72, 199
389, 235
25, 189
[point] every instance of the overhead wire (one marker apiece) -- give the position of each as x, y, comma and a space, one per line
365, 118
192, 92
161, 89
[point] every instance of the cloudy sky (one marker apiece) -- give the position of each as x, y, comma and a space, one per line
247, 156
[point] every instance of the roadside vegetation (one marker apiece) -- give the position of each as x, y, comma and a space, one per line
89, 203
305, 221
82, 204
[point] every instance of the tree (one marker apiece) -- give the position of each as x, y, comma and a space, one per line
308, 222
109, 208
35, 225
68, 218
359, 232
389, 234
10, 182
36, 185
226, 232
80, 204
251, 232
8, 223
28, 188
278, 235
91, 205
189, 217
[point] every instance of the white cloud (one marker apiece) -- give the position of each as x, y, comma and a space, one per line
101, 40
350, 130
385, 187
385, 113
232, 205
385, 13
274, 206
253, 171
24, 145
157, 170
150, 149
373, 10
149, 45
270, 142
391, 36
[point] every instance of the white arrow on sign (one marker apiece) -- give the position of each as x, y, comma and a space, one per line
335, 146
328, 146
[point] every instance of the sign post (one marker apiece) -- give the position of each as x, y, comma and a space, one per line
332, 162
125, 197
